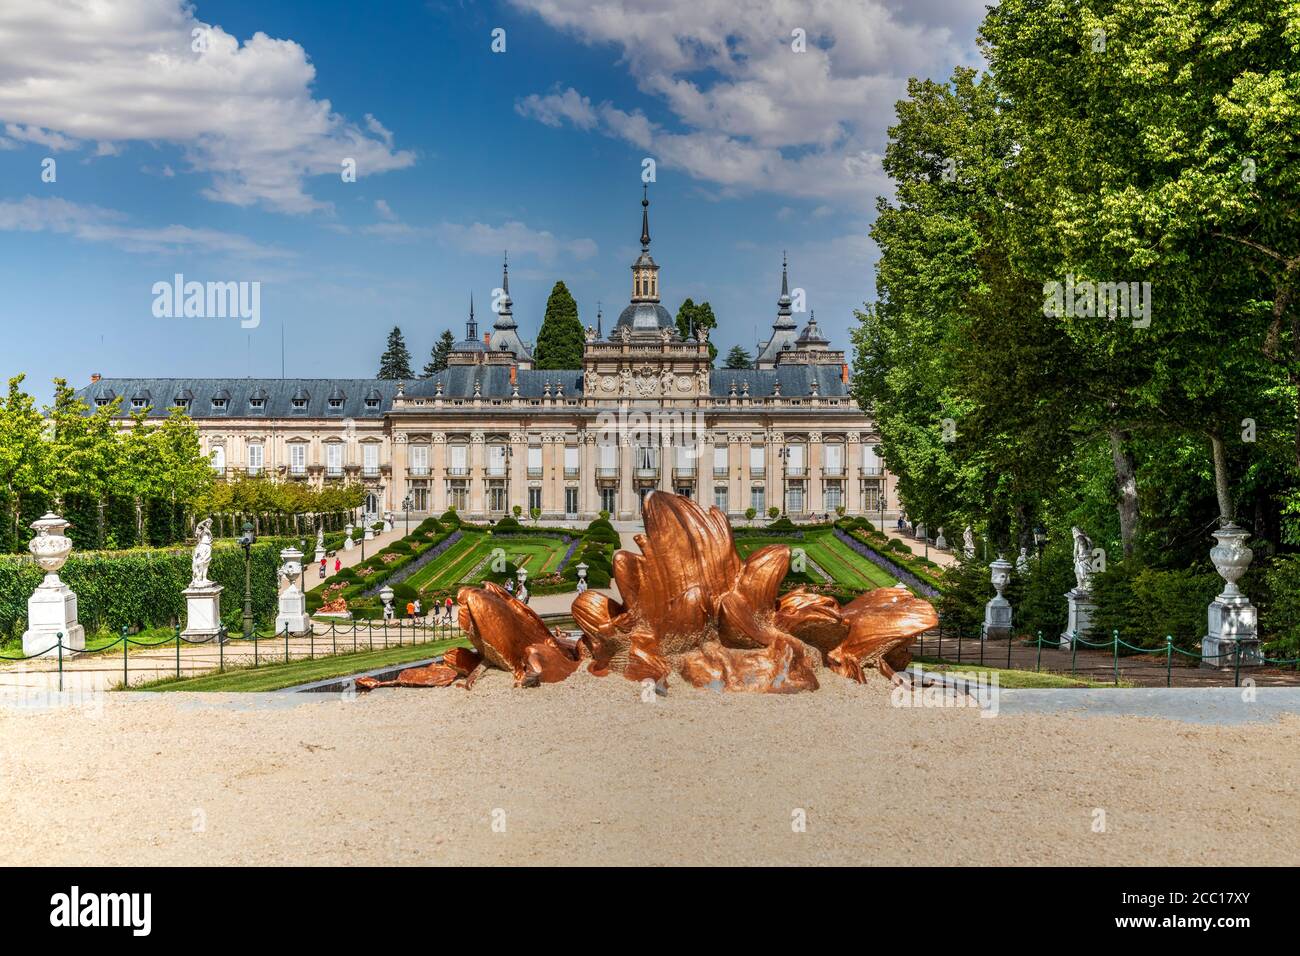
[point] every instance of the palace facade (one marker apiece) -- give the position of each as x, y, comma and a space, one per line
644, 412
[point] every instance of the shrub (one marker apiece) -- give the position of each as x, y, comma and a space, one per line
782, 524
894, 544
507, 524
1145, 603
1279, 606
450, 519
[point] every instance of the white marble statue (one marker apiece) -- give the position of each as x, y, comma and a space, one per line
968, 542
1022, 562
202, 554
1082, 560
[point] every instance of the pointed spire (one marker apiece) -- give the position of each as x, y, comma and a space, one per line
645, 217
600, 334
505, 273
471, 327
783, 303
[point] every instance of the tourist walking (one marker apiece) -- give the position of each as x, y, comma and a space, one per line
449, 610
338, 564
419, 612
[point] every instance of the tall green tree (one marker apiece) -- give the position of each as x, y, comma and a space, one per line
738, 358
692, 317
560, 339
395, 363
440, 354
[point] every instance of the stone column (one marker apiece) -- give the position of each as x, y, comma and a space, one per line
626, 480
476, 472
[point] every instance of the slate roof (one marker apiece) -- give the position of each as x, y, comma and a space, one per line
277, 393
457, 382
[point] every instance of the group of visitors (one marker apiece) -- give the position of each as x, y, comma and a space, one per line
440, 613
522, 594
338, 565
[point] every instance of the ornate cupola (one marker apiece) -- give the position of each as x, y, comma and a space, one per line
645, 317
645, 274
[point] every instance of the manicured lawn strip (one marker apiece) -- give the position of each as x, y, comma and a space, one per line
1012, 679
276, 676
540, 555
826, 548
846, 568
436, 570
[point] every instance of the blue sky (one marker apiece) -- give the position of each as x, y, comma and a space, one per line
223, 164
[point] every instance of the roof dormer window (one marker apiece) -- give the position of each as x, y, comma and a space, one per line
139, 403
219, 403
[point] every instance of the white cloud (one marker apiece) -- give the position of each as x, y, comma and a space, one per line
97, 224
125, 71
556, 107
482, 238
749, 113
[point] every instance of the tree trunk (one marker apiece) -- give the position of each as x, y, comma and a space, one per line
1220, 455
1126, 486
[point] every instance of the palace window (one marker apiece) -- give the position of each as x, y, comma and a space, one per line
609, 500
720, 498
534, 461
419, 459
834, 495
496, 496
370, 459
534, 500
496, 460
334, 458
570, 461
459, 458
571, 502
218, 456
794, 498
719, 461
458, 495
833, 460
256, 459
758, 499
757, 461
871, 460
297, 458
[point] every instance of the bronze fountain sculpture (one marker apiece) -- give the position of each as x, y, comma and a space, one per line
690, 605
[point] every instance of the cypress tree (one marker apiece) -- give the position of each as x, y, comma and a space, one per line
560, 340
395, 363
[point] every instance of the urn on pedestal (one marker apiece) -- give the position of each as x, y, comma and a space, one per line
997, 612
52, 608
1233, 634
293, 603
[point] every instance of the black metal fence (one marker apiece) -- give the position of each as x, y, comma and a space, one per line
276, 647
1099, 658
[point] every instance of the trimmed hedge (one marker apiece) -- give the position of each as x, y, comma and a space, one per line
142, 587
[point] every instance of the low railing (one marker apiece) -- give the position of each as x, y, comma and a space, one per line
276, 647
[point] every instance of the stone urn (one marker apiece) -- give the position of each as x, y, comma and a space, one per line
52, 608
50, 547
997, 612
1231, 557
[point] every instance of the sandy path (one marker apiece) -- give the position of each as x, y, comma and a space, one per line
588, 773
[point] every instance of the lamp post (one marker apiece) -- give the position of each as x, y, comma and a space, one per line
246, 542
1040, 538
406, 509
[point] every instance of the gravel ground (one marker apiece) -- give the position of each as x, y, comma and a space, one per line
586, 772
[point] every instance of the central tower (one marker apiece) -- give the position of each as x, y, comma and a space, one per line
644, 317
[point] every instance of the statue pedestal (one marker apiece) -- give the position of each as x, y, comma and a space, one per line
293, 612
202, 612
370, 534
51, 610
997, 619
1232, 627
320, 554
1080, 620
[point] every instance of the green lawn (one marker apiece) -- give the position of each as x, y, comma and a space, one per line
276, 676
846, 567
1012, 678
463, 563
